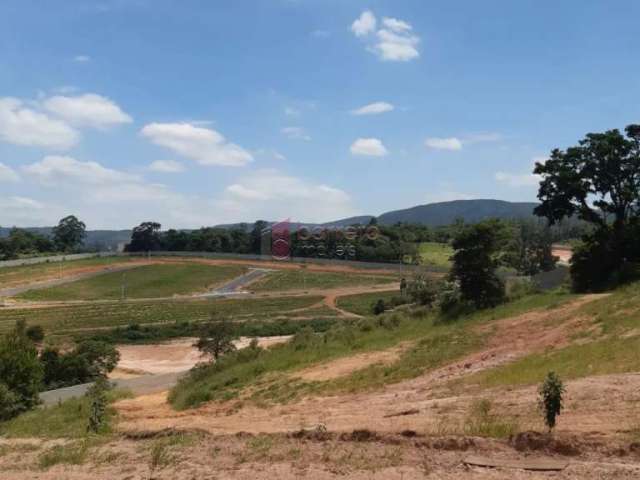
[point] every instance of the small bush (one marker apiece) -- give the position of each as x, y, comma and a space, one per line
74, 453
35, 333
550, 401
379, 307
482, 422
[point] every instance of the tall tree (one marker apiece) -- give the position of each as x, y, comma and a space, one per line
70, 233
597, 181
145, 237
476, 258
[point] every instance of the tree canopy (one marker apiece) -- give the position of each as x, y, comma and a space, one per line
69, 234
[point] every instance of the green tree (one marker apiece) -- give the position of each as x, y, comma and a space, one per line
597, 181
97, 395
145, 237
216, 337
550, 399
20, 372
69, 234
476, 258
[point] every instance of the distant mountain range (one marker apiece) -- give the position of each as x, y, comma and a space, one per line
432, 214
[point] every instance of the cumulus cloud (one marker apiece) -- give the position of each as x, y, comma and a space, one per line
451, 143
8, 174
88, 110
370, 147
394, 42
364, 24
296, 133
373, 109
204, 145
22, 125
274, 195
54, 169
166, 166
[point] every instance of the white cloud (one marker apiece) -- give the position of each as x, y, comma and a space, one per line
321, 33
373, 109
371, 147
365, 24
296, 133
8, 174
517, 180
394, 42
396, 25
82, 58
53, 169
90, 110
204, 145
272, 195
166, 166
396, 46
21, 125
524, 179
451, 143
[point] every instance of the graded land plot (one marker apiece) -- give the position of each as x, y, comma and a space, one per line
66, 319
363, 303
26, 274
283, 280
436, 254
147, 281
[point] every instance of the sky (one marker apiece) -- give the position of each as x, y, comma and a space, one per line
196, 113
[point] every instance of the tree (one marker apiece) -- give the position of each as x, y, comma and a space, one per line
422, 290
216, 337
550, 400
35, 333
145, 237
597, 181
97, 395
69, 234
20, 372
476, 258
529, 250
379, 307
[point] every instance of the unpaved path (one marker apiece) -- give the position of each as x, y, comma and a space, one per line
512, 338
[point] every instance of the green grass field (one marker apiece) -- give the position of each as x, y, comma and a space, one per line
362, 304
10, 276
148, 281
436, 254
298, 279
63, 320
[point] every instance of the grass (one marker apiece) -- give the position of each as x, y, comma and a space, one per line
435, 254
148, 281
30, 273
68, 319
484, 422
362, 304
613, 347
268, 372
68, 419
300, 279
74, 453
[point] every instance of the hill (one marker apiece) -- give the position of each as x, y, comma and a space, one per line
445, 213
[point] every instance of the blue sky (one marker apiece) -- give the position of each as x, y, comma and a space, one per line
196, 113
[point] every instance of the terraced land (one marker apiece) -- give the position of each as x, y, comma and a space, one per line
148, 281
68, 318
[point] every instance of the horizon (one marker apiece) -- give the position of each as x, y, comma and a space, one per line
313, 111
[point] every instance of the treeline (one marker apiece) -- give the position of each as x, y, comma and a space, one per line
67, 237
528, 243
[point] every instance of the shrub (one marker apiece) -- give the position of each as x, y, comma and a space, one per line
422, 290
550, 400
20, 371
482, 422
97, 395
379, 307
35, 333
216, 338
